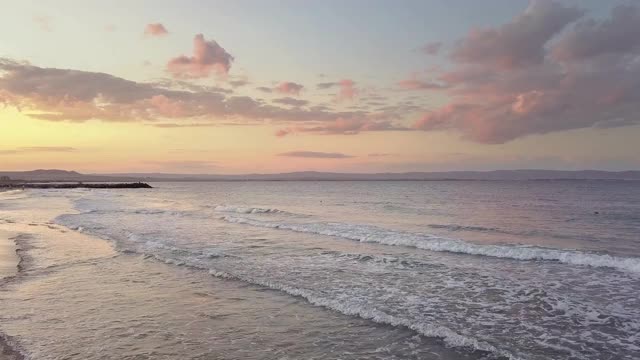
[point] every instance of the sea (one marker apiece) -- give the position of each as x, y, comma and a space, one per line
325, 270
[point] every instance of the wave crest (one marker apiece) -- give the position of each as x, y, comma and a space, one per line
364, 233
246, 210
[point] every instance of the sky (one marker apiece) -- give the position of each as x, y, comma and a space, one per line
271, 86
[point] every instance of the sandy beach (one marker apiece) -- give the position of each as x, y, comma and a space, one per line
8, 258
8, 267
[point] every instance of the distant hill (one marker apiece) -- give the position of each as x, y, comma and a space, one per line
72, 176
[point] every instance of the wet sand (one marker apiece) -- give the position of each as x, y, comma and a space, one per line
8, 267
8, 257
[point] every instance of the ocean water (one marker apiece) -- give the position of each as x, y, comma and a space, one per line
326, 270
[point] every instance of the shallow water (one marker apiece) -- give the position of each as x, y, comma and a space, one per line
448, 270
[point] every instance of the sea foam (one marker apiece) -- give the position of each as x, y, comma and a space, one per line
245, 209
366, 233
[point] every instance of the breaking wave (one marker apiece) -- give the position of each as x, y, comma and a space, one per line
450, 337
372, 234
454, 227
246, 210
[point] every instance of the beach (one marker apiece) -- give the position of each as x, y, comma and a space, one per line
8, 267
8, 257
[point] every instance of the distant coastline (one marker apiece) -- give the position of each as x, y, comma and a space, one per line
44, 176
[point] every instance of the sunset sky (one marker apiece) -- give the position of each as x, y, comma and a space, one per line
291, 85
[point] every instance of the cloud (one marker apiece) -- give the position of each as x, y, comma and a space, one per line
239, 83
155, 29
520, 42
343, 127
347, 90
326, 85
73, 95
110, 28
208, 57
432, 48
291, 101
379, 155
289, 88
264, 89
589, 38
315, 155
540, 74
32, 149
414, 83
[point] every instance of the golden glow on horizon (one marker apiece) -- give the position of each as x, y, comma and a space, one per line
100, 146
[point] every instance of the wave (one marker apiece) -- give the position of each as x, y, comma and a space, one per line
365, 233
11, 192
450, 337
523, 233
246, 210
454, 227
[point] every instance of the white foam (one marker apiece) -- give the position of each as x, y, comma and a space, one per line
11, 192
450, 337
245, 209
455, 227
364, 233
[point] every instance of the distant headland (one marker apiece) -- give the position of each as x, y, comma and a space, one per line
63, 176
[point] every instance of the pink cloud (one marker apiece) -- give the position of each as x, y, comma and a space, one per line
413, 83
520, 42
343, 126
315, 155
73, 95
167, 107
348, 90
289, 88
208, 57
539, 74
155, 29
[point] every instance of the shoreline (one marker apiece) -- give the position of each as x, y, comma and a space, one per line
9, 262
9, 258
9, 267
7, 352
